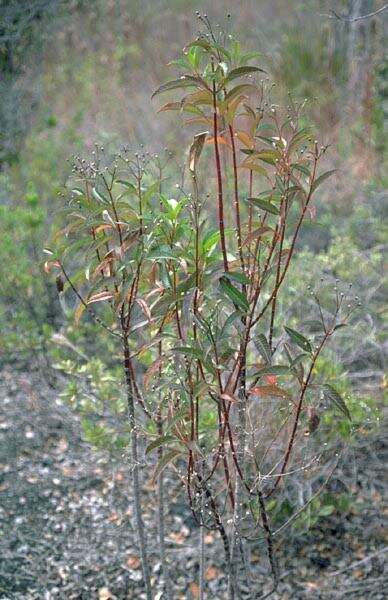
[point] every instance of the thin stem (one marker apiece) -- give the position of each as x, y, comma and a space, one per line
219, 181
236, 198
298, 412
202, 551
135, 470
86, 305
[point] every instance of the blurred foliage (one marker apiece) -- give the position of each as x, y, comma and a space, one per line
28, 308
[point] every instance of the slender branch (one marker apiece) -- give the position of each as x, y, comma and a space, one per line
236, 198
86, 305
298, 412
135, 469
334, 15
219, 180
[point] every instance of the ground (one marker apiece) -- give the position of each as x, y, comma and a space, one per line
66, 513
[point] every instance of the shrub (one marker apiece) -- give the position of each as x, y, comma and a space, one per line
189, 281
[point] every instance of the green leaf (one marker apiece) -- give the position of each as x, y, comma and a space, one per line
298, 359
237, 297
162, 252
252, 166
299, 339
194, 56
330, 394
160, 441
127, 184
326, 510
302, 168
299, 137
263, 348
189, 351
164, 461
210, 240
183, 82
241, 71
273, 370
180, 415
201, 43
321, 179
339, 326
98, 196
314, 325
250, 55
268, 156
244, 88
196, 353
239, 277
264, 205
229, 321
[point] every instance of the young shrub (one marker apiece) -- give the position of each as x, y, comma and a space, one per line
190, 283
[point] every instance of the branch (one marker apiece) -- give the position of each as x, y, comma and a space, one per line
86, 305
334, 15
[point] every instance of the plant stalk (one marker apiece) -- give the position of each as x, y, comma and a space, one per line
135, 470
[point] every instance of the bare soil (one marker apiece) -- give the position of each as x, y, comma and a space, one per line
66, 519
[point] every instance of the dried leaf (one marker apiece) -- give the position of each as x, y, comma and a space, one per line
228, 397
133, 562
196, 149
144, 307
212, 573
50, 264
59, 283
104, 593
79, 311
194, 590
167, 458
220, 140
152, 369
269, 391
100, 297
245, 138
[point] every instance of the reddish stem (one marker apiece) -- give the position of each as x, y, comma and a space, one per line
219, 181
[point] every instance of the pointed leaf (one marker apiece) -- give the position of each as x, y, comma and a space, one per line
229, 397
196, 149
300, 137
302, 168
299, 339
175, 84
167, 458
239, 277
269, 390
331, 395
98, 196
263, 348
273, 370
321, 179
241, 71
127, 184
234, 294
160, 441
100, 297
244, 88
252, 166
79, 312
264, 205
